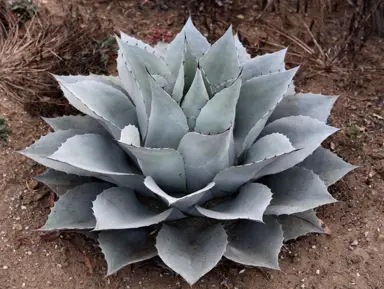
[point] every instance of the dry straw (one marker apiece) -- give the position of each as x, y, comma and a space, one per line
30, 52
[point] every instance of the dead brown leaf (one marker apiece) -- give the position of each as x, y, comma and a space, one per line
88, 263
51, 201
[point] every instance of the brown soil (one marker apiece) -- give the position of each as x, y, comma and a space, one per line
28, 260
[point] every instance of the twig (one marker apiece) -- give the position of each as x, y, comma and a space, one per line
313, 38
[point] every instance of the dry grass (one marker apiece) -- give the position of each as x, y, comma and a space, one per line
29, 54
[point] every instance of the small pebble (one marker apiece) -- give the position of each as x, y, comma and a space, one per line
17, 227
23, 207
355, 243
241, 271
357, 274
302, 286
317, 272
5, 267
314, 247
366, 234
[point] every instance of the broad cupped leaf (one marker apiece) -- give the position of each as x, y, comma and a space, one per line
84, 124
317, 106
124, 247
300, 224
106, 103
183, 203
167, 123
296, 190
220, 64
255, 244
218, 115
74, 209
119, 208
303, 132
202, 247
258, 97
204, 156
328, 166
60, 182
165, 166
250, 203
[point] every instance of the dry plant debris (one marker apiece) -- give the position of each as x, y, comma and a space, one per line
28, 53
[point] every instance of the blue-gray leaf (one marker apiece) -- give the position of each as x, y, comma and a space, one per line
195, 99
191, 251
218, 114
182, 203
74, 209
255, 244
296, 190
119, 208
250, 203
264, 64
124, 247
204, 156
258, 97
167, 123
328, 166
313, 105
220, 64
300, 224
303, 132
60, 182
165, 166
81, 123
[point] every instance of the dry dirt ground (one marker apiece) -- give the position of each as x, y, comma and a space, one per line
351, 257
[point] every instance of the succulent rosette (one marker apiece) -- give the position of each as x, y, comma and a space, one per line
193, 153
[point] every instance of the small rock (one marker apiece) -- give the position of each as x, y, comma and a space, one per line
366, 234
317, 272
314, 247
357, 274
23, 207
355, 243
350, 248
240, 16
5, 267
241, 271
17, 227
302, 286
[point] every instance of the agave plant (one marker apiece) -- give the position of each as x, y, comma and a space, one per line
194, 152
